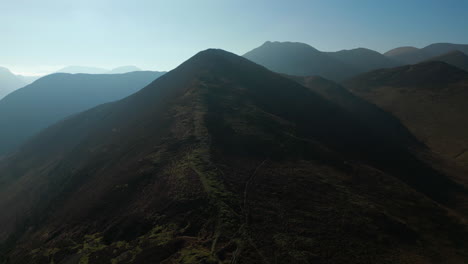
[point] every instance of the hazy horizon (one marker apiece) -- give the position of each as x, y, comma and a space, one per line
156, 35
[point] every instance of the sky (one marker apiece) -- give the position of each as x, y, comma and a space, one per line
40, 37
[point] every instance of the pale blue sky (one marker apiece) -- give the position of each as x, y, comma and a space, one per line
40, 36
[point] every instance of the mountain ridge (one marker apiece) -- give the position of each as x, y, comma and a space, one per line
216, 162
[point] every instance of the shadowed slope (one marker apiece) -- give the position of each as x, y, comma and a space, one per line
429, 98
455, 58
223, 161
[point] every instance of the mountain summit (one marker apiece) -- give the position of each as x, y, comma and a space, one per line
298, 59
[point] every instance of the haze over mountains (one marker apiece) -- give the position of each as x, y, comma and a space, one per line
10, 82
224, 161
96, 70
26, 111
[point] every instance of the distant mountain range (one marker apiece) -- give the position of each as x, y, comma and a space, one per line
95, 70
10, 82
28, 110
412, 55
303, 60
223, 161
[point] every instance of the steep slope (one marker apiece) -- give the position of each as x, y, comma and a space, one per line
455, 58
26, 111
364, 60
299, 59
366, 112
412, 55
223, 161
429, 98
9, 82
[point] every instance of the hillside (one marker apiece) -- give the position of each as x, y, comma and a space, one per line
429, 98
223, 161
26, 111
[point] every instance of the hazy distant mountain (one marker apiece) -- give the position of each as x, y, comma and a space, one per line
364, 59
303, 60
9, 82
224, 161
124, 69
95, 70
54, 97
455, 58
407, 55
441, 48
82, 69
429, 98
28, 79
299, 59
412, 55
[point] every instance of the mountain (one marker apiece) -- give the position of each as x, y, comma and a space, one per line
363, 59
26, 111
303, 60
441, 48
455, 58
429, 98
123, 69
9, 82
82, 69
224, 161
299, 59
95, 70
412, 55
407, 55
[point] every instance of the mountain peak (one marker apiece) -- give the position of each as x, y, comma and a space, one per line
400, 50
